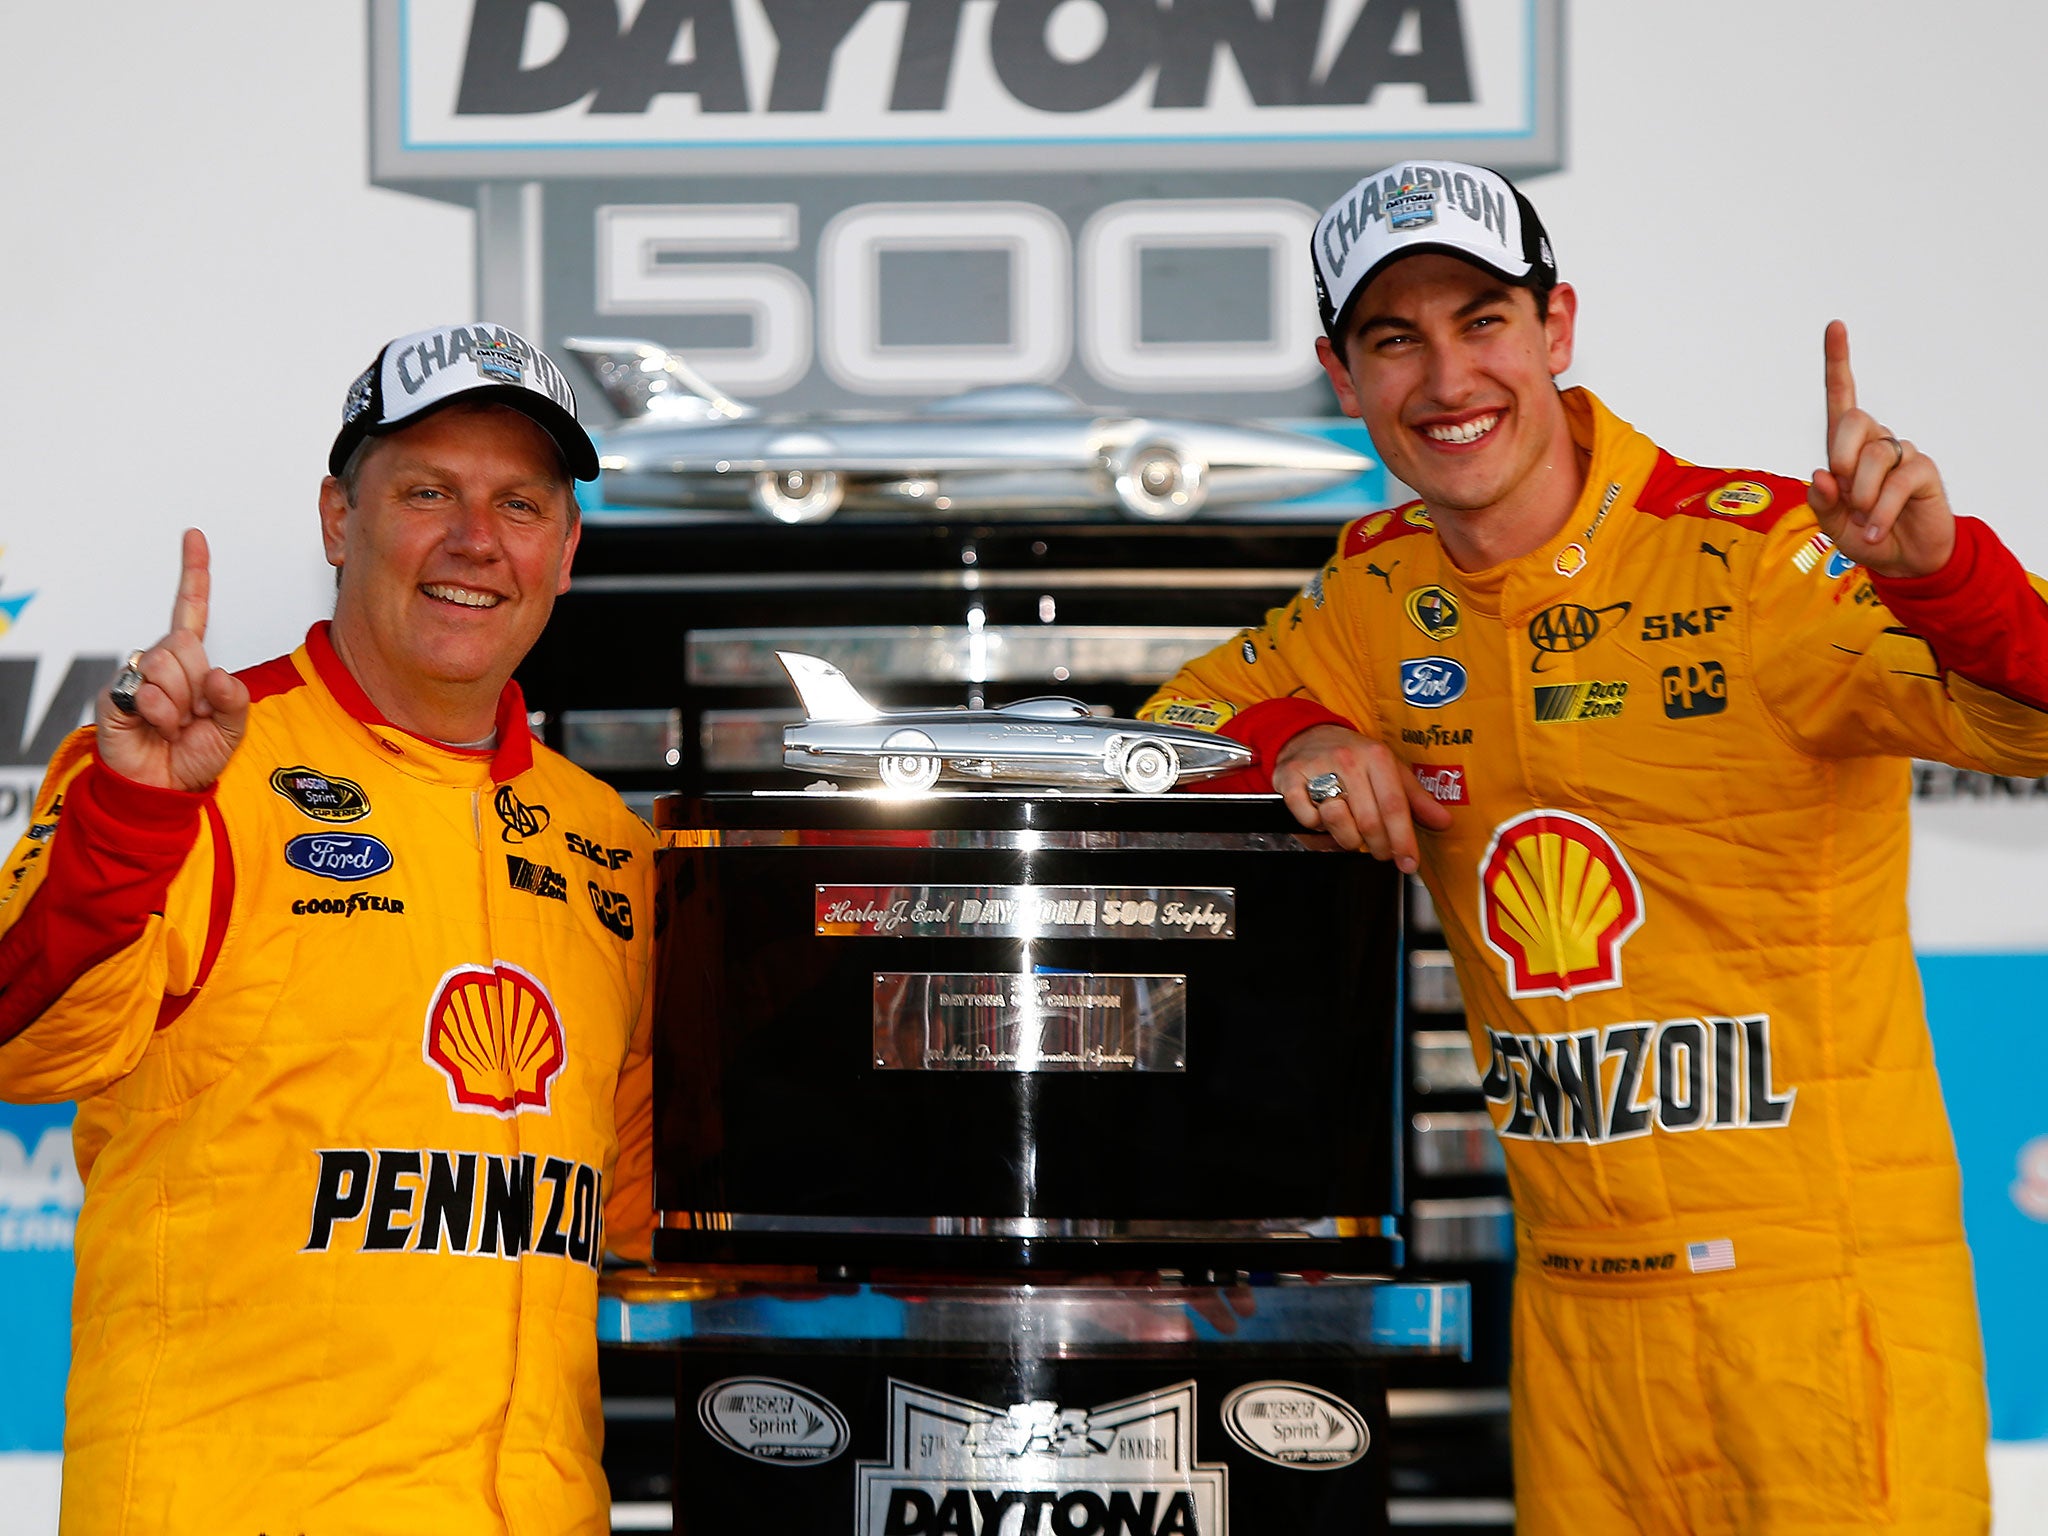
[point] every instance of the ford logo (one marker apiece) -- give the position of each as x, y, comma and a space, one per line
338, 855
1432, 682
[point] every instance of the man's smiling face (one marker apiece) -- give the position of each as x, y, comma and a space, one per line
452, 550
1452, 371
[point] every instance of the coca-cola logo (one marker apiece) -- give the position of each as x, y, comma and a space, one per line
1431, 682
1444, 782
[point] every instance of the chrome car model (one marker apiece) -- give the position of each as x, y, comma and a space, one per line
1021, 446
1034, 741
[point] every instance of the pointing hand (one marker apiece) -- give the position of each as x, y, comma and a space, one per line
1879, 499
189, 715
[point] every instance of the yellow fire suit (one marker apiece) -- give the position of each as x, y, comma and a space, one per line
1673, 743
360, 1039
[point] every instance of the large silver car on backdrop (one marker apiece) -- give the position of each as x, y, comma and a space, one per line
1034, 741
682, 442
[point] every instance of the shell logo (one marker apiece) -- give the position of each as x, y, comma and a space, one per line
494, 1034
1557, 901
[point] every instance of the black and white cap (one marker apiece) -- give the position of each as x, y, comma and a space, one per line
424, 371
1457, 210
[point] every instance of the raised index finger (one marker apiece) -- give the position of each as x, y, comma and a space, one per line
1841, 382
194, 586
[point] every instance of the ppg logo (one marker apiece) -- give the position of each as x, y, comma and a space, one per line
1432, 682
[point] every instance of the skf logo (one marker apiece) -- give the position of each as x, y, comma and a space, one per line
1443, 782
612, 909
1681, 626
521, 820
1434, 611
494, 1034
1697, 688
1567, 703
1557, 901
1566, 627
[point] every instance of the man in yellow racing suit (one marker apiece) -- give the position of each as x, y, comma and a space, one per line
1645, 726
350, 978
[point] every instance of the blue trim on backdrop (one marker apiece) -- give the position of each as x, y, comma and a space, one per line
1988, 1014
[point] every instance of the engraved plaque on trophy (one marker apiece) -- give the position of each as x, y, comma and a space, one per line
1049, 1031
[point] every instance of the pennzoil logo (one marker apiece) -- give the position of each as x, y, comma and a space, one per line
1739, 498
322, 796
1557, 901
493, 1032
1434, 611
1201, 714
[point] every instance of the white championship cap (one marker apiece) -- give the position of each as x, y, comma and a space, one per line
424, 371
1457, 210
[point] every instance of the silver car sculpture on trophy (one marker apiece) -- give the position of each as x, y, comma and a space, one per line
682, 442
1049, 741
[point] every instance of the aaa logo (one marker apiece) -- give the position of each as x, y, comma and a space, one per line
1557, 901
494, 1034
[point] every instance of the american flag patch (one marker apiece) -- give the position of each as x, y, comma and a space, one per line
1705, 1258
1810, 552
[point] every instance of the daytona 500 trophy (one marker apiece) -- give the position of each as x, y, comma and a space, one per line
967, 1104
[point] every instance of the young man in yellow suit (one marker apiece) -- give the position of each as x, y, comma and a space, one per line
1644, 729
350, 978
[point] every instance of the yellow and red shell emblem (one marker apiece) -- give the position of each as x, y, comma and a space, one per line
1557, 901
494, 1033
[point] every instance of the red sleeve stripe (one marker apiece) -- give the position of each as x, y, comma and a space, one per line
117, 847
216, 918
1266, 727
1979, 614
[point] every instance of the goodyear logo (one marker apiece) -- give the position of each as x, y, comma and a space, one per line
1627, 1080
493, 1032
1557, 902
1697, 688
427, 1200
1434, 612
1566, 703
1739, 498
